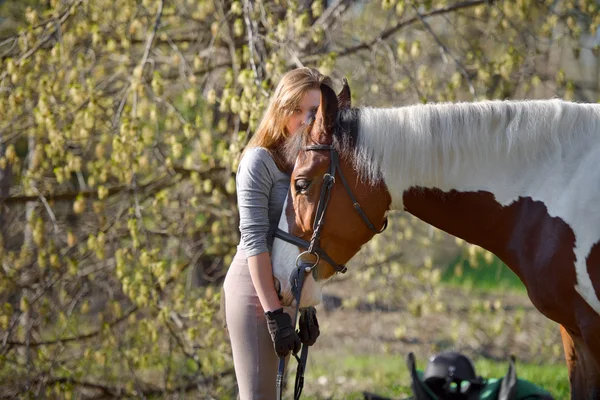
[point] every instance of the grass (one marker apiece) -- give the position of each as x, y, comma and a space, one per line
344, 375
483, 276
387, 375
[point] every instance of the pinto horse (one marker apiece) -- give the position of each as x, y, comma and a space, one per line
518, 178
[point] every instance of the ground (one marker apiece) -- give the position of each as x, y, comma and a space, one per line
364, 347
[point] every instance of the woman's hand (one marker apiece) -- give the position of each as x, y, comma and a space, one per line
308, 326
285, 338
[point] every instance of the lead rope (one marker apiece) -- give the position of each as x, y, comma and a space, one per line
299, 384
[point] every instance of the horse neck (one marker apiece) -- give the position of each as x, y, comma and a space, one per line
473, 216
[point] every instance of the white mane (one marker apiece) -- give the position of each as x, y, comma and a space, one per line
457, 144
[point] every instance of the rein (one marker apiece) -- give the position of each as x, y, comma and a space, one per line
313, 248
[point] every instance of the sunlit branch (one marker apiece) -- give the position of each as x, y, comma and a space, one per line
46, 38
48, 208
119, 392
93, 193
329, 16
87, 336
17, 316
250, 30
445, 50
401, 25
142, 63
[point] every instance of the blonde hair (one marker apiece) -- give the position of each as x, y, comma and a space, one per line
272, 133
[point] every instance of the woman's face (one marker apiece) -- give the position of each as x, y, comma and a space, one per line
306, 109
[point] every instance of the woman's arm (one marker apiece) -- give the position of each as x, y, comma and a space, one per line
262, 278
254, 183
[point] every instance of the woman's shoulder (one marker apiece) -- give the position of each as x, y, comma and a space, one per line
258, 152
257, 157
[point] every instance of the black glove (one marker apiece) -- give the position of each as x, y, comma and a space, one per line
285, 338
309, 326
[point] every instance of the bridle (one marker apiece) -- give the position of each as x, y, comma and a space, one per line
313, 248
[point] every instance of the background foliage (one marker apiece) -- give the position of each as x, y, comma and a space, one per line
121, 126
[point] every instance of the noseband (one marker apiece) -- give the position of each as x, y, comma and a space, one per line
313, 248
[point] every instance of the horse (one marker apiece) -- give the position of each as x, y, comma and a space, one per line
518, 178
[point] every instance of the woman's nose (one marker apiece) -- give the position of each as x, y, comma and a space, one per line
305, 118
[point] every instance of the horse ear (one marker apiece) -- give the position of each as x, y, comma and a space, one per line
326, 114
344, 97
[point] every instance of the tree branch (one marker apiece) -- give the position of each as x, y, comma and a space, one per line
40, 43
93, 193
324, 21
120, 392
444, 50
403, 24
145, 55
73, 338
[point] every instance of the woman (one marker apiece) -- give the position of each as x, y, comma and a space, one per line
259, 329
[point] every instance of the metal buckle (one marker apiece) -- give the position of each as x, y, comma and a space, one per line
308, 269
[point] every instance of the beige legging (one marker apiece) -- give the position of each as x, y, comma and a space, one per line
254, 357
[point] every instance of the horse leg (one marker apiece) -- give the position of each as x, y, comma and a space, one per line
576, 377
590, 331
582, 353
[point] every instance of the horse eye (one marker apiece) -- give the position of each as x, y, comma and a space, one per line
302, 185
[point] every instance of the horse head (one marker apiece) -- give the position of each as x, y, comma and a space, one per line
329, 208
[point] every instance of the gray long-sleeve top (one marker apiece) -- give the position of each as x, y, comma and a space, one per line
261, 191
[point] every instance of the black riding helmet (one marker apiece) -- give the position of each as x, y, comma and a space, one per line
449, 364
451, 375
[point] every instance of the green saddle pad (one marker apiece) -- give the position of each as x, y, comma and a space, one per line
507, 388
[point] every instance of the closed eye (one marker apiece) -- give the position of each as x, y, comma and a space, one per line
302, 185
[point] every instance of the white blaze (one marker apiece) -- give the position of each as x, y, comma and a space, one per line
284, 256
